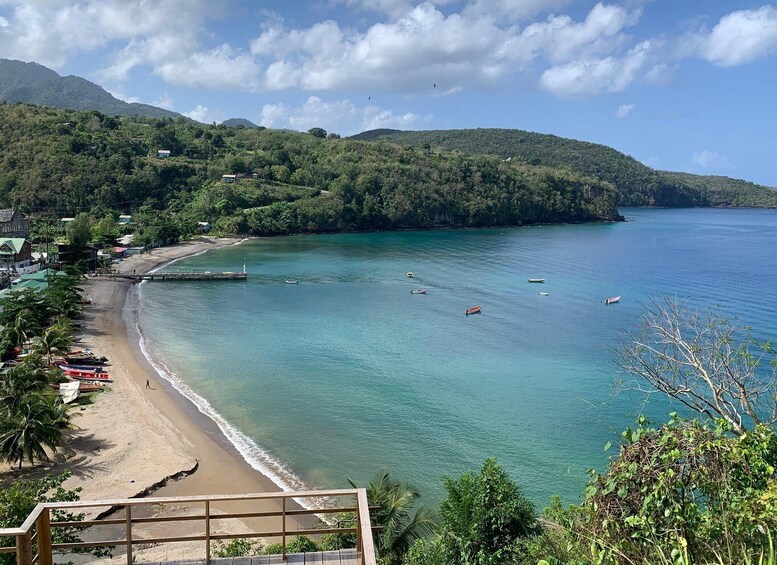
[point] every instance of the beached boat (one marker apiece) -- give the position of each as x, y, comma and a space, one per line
291, 281
536, 280
410, 275
93, 377
89, 375
84, 368
612, 300
418, 291
473, 310
84, 387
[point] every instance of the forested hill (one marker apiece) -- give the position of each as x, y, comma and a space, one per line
61, 163
32, 83
638, 184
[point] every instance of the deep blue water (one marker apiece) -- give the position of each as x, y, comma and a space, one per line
347, 374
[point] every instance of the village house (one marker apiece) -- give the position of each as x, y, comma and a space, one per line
16, 256
229, 178
125, 220
163, 153
203, 227
13, 224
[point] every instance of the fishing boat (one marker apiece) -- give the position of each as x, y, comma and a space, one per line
418, 291
292, 281
84, 386
87, 375
536, 280
612, 300
473, 310
410, 275
89, 368
544, 293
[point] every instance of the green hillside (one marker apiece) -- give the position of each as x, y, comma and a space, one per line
638, 184
59, 162
31, 83
239, 122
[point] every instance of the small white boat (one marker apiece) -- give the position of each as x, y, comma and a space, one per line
612, 300
544, 293
418, 291
536, 280
410, 275
292, 281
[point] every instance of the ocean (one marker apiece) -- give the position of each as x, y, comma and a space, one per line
347, 374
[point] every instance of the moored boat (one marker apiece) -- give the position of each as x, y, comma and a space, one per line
612, 300
410, 275
418, 291
473, 310
544, 293
536, 280
292, 281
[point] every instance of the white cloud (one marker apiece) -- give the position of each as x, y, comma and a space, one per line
741, 37
611, 74
165, 101
392, 8
341, 116
512, 10
4, 22
202, 114
222, 67
624, 110
122, 96
708, 159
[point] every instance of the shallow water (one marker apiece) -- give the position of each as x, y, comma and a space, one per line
346, 373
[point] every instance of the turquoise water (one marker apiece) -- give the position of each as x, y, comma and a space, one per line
347, 374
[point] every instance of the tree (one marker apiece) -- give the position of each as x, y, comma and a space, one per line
708, 363
400, 529
485, 519
35, 424
317, 132
55, 339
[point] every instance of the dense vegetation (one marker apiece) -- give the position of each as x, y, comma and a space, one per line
32, 83
638, 184
60, 163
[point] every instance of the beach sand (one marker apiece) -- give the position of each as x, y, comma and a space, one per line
137, 441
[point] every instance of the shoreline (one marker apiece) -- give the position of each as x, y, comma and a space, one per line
136, 441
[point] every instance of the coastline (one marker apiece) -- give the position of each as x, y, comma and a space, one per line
136, 441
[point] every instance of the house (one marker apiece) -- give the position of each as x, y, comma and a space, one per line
16, 256
65, 221
229, 178
119, 252
13, 224
125, 220
88, 255
203, 227
163, 153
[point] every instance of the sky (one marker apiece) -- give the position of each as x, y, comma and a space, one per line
685, 85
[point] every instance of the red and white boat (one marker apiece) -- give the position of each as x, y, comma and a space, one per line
473, 310
612, 300
81, 374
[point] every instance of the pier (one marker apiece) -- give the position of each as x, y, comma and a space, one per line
178, 276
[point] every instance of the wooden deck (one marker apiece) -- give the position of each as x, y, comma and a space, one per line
190, 276
340, 557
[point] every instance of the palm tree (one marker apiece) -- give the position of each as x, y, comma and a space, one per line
55, 339
36, 424
21, 329
27, 378
400, 529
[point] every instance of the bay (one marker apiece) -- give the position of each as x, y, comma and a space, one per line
347, 374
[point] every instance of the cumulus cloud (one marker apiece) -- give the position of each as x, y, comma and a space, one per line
222, 67
709, 159
392, 8
341, 116
165, 101
742, 37
202, 114
624, 110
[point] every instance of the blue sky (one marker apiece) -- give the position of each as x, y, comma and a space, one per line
683, 85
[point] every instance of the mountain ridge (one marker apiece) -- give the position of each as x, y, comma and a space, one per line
32, 83
638, 184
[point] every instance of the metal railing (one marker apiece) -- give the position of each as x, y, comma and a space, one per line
34, 545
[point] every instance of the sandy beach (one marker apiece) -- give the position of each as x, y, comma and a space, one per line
134, 440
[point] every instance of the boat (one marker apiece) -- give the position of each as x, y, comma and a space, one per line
292, 281
84, 386
87, 375
612, 300
536, 280
544, 293
84, 368
473, 310
418, 291
410, 275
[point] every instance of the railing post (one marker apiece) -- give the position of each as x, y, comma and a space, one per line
283, 538
359, 548
24, 549
207, 532
43, 527
128, 510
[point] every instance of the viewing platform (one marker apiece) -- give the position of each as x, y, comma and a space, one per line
177, 276
133, 526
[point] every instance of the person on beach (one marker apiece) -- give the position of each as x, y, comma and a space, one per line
148, 385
